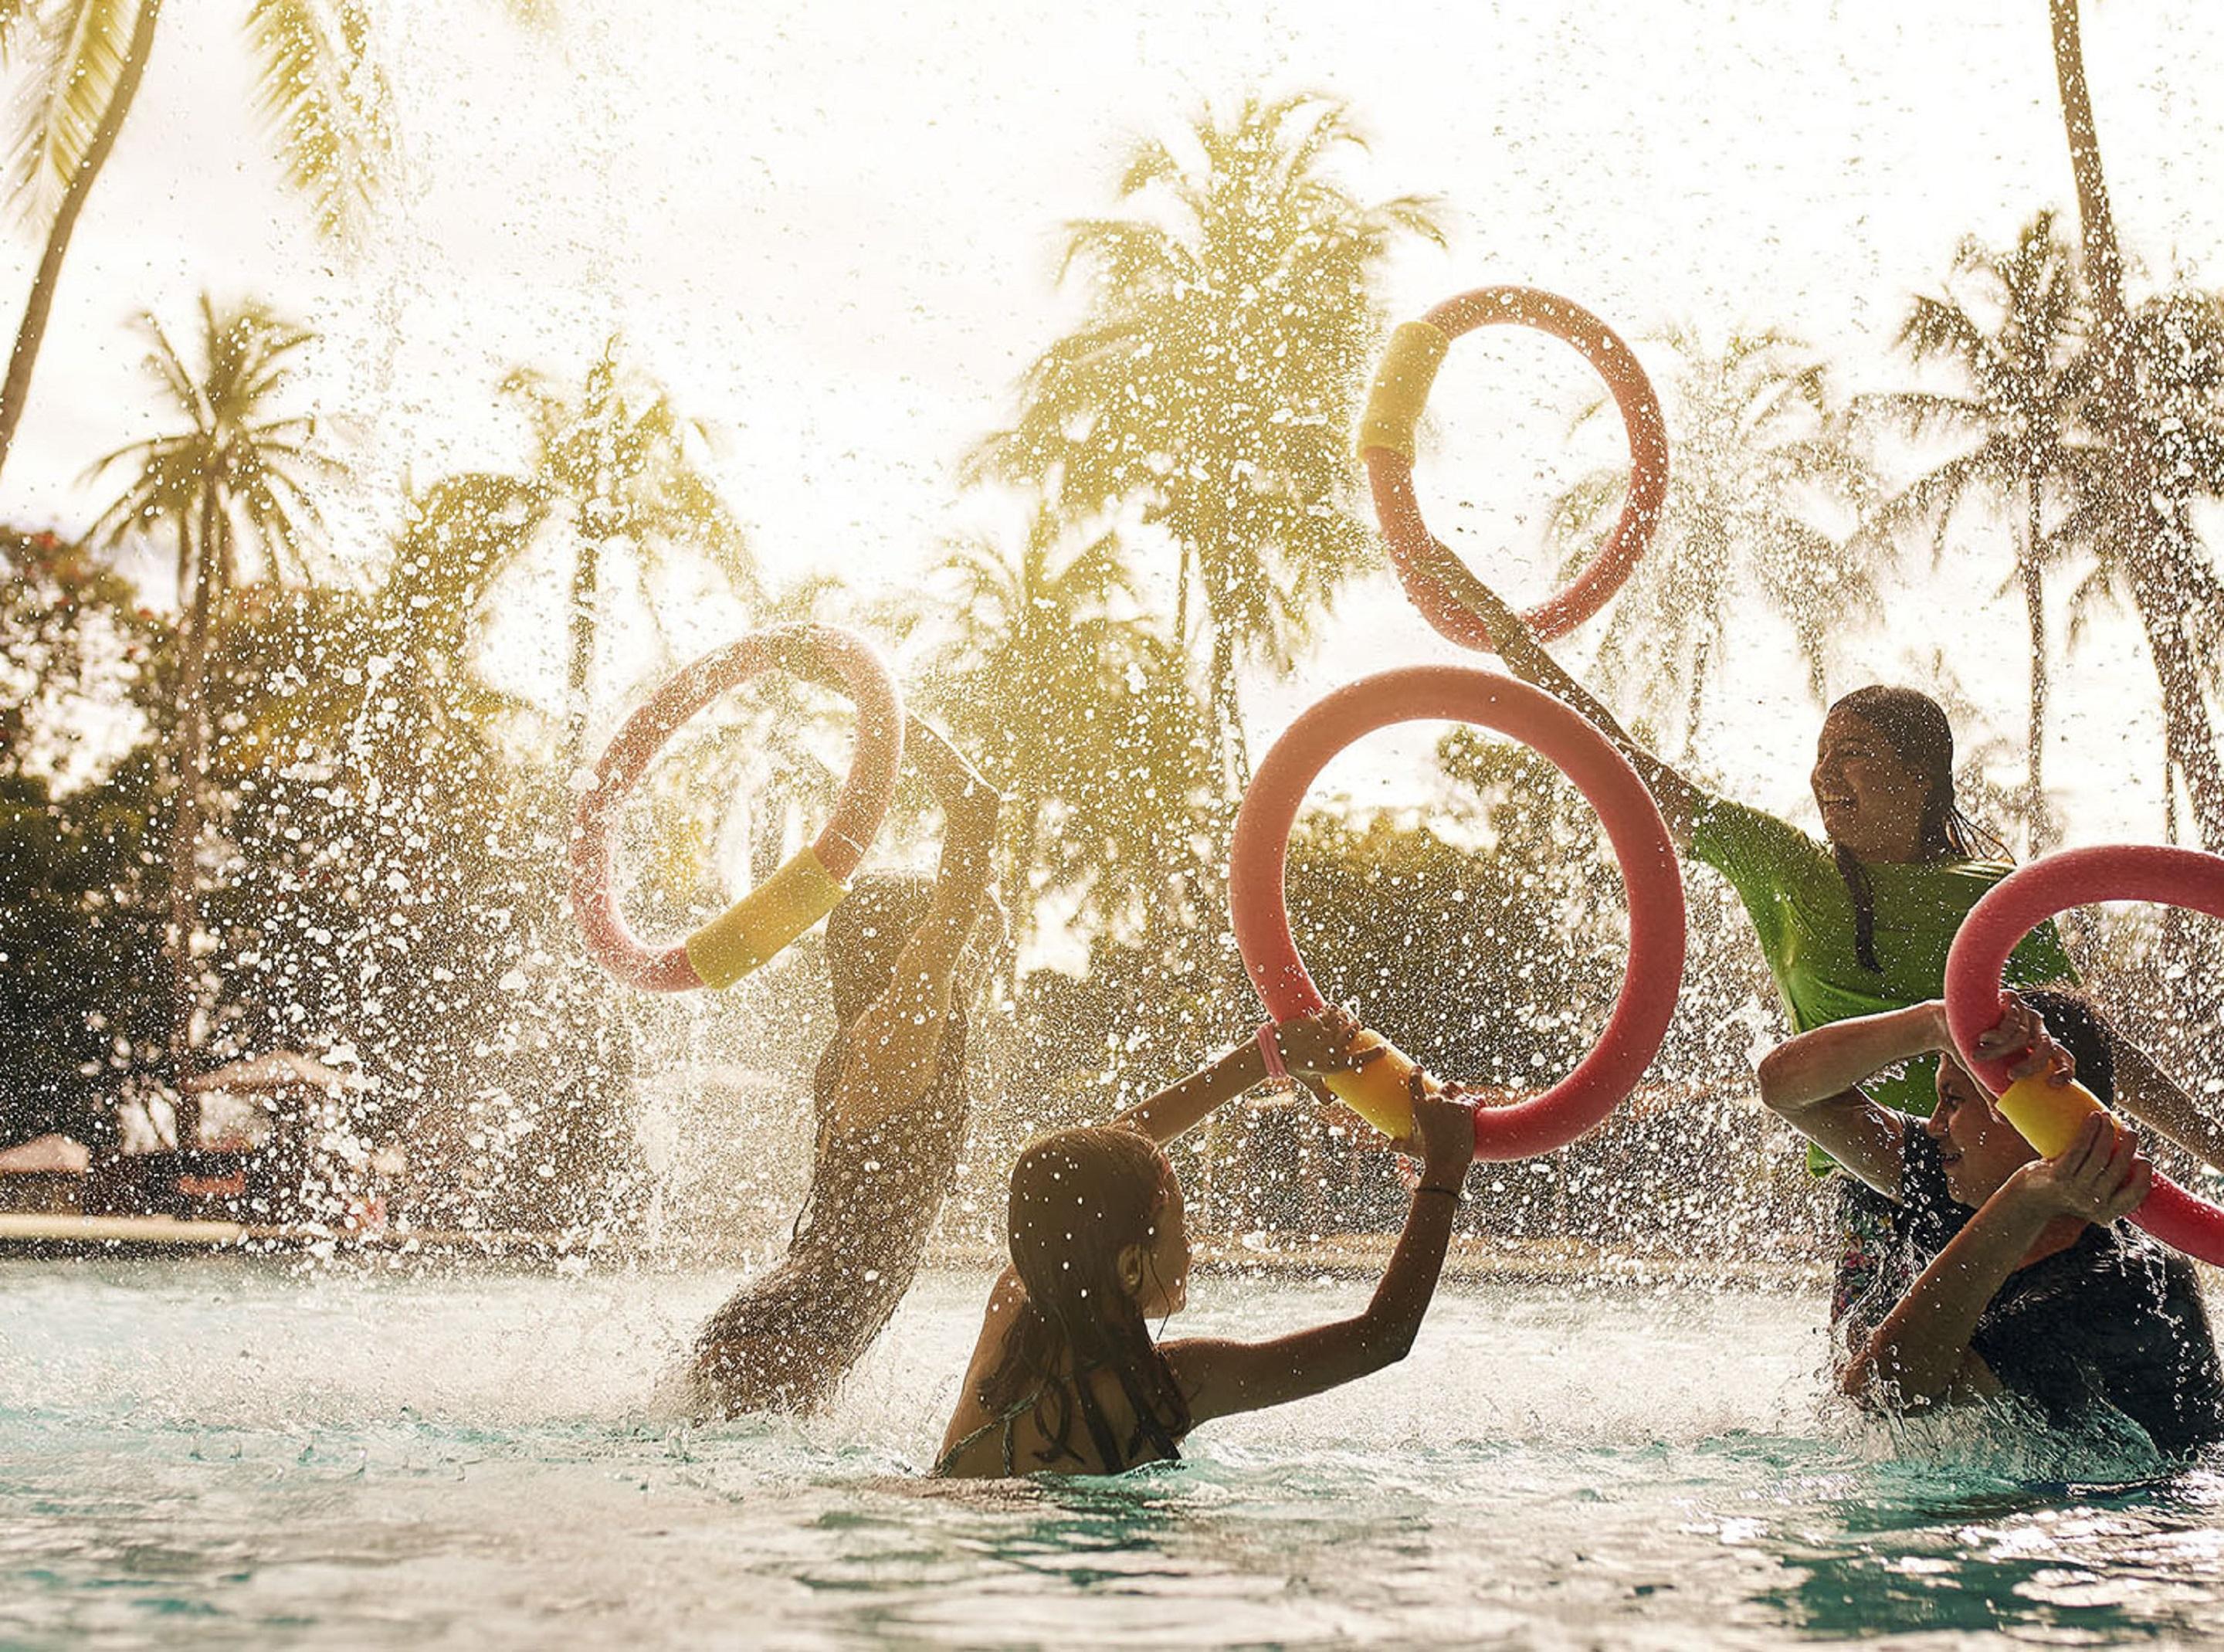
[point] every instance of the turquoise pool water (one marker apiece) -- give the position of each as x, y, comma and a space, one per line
246, 1455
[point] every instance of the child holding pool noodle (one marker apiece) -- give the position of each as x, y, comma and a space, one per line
892, 1106
1861, 923
2015, 1276
1066, 1375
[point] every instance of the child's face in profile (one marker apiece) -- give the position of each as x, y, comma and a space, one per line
1979, 1148
1165, 1271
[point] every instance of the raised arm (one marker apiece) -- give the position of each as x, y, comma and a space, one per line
1224, 1376
2150, 1095
1921, 1350
896, 1043
1312, 1046
1812, 1083
1526, 658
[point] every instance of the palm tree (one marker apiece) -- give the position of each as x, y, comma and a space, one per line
2176, 418
96, 53
237, 474
1055, 681
1212, 388
2162, 574
321, 91
616, 463
457, 536
1759, 450
2013, 346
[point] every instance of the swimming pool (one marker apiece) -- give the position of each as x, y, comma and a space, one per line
254, 1453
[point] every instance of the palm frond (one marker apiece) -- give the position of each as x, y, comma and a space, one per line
75, 66
15, 18
325, 98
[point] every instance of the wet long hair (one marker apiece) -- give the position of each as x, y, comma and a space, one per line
1914, 725
2078, 1025
1079, 1197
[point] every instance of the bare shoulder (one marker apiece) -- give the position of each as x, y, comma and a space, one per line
1006, 1298
1200, 1364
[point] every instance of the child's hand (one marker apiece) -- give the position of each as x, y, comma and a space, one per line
1329, 1040
970, 802
1444, 1129
2022, 1040
2099, 1177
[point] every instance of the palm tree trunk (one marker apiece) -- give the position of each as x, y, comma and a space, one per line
1019, 881
186, 815
1221, 696
2104, 261
2188, 735
16, 388
2191, 738
1695, 696
585, 576
2038, 819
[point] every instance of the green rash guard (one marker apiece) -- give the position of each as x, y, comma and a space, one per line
1803, 915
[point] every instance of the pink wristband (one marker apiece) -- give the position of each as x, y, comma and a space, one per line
1270, 1051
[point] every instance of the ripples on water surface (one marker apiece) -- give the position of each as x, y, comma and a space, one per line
238, 1454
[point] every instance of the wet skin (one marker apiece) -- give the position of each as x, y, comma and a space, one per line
1978, 1150
1872, 802
1163, 1285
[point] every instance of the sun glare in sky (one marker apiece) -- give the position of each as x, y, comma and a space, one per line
833, 232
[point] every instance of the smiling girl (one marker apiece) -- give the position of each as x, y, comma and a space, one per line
1859, 922
2015, 1276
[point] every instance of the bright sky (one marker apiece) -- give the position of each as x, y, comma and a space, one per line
833, 230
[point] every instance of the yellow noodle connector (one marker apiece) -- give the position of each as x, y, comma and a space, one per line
1378, 1092
1401, 387
2048, 1116
763, 922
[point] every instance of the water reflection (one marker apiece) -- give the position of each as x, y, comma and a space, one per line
1920, 1550
410, 1459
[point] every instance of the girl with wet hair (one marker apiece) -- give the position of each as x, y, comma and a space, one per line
892, 1108
2017, 1275
1860, 922
1066, 1376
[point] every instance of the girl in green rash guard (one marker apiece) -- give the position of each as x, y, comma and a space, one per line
1860, 923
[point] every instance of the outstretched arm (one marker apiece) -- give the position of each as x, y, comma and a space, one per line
1921, 1350
1526, 658
1812, 1083
2150, 1095
896, 1044
1312, 1046
1221, 1377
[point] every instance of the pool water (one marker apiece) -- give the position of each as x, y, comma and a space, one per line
259, 1454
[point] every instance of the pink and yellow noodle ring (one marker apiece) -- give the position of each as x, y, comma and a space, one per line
1433, 577
1633, 826
801, 892
2048, 1116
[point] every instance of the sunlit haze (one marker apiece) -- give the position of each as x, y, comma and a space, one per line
833, 232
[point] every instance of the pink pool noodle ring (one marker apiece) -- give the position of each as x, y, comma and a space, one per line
1633, 827
810, 884
2017, 905
1432, 576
